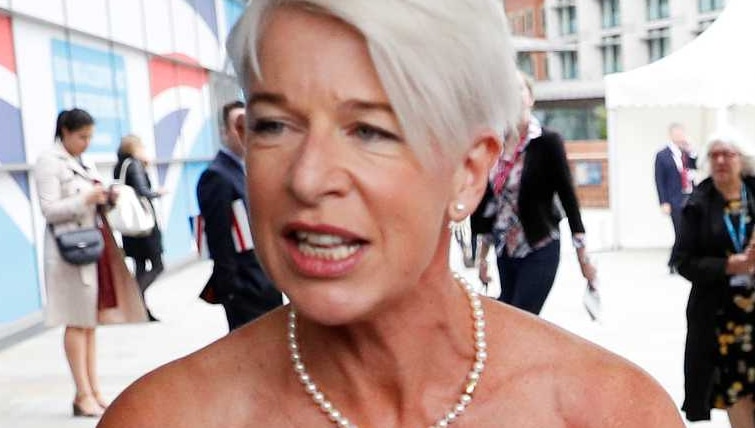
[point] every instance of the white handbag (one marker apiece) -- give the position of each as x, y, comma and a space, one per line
132, 215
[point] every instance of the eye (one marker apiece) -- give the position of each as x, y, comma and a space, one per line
267, 127
369, 133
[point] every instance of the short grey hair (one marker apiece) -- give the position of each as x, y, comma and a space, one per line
447, 66
734, 140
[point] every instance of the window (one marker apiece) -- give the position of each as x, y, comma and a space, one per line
710, 5
703, 25
519, 24
657, 9
542, 20
568, 65
610, 12
588, 173
524, 63
529, 22
611, 49
658, 44
567, 17
574, 123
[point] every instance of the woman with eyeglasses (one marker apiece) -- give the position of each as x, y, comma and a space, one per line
716, 253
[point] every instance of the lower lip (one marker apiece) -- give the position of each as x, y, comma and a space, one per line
322, 268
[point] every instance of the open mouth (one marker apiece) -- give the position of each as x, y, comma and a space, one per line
325, 246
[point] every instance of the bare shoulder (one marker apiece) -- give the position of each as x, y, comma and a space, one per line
570, 379
222, 385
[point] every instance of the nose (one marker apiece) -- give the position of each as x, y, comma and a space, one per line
320, 169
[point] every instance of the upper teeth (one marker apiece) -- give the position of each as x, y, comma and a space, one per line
320, 239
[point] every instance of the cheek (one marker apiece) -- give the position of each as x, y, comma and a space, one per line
264, 187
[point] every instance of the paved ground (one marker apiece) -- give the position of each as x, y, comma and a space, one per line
643, 321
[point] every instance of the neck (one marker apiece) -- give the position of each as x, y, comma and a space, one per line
730, 189
411, 349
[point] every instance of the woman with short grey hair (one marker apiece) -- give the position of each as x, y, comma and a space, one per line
716, 253
372, 125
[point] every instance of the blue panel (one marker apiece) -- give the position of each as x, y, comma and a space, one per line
204, 146
12, 146
193, 170
233, 11
177, 234
206, 10
167, 131
22, 179
94, 80
19, 283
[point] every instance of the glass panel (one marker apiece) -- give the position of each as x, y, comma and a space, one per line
576, 123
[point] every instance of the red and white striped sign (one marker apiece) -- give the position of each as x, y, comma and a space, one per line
240, 230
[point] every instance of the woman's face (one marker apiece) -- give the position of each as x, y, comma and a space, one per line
725, 163
76, 142
345, 216
140, 153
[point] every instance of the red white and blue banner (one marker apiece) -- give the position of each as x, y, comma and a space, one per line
143, 68
19, 291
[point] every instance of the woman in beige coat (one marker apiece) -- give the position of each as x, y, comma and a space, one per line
69, 192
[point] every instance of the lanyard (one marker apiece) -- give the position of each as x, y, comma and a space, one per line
738, 239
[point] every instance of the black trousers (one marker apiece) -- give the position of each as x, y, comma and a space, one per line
526, 282
145, 277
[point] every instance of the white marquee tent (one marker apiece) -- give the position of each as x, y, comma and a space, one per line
708, 83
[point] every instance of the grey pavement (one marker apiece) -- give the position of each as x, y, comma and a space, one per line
643, 320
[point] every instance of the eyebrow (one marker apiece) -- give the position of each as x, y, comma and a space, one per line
267, 97
368, 105
353, 104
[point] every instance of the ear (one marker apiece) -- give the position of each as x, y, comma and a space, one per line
471, 176
239, 125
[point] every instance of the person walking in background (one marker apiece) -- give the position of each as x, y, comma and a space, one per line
146, 251
237, 281
531, 176
70, 191
674, 179
716, 253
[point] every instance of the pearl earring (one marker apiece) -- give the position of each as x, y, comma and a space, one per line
459, 207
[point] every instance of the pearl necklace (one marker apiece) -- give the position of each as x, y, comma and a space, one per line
473, 377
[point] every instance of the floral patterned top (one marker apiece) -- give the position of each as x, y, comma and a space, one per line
508, 233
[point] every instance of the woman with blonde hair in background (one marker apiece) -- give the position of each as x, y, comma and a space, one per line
371, 126
146, 249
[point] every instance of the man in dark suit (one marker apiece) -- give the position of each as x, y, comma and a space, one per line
674, 179
237, 281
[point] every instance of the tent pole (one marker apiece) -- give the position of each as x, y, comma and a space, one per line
613, 179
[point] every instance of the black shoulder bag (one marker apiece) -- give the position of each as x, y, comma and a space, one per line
80, 246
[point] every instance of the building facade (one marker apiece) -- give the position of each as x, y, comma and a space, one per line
592, 38
154, 68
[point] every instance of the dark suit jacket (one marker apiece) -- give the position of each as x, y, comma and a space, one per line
234, 275
545, 175
668, 181
702, 250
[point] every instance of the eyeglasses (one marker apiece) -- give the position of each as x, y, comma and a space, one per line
727, 154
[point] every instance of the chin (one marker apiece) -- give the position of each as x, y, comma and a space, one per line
330, 305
